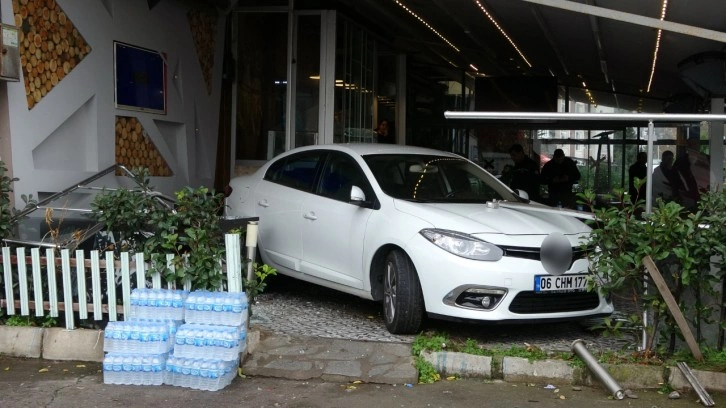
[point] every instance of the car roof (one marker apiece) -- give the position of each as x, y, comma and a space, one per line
364, 149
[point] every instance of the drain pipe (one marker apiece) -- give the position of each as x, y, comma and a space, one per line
578, 347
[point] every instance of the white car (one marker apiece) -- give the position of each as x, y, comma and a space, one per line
424, 231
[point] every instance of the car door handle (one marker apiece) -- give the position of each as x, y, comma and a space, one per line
310, 216
263, 203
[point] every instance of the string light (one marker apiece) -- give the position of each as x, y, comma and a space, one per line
501, 30
663, 9
589, 94
425, 23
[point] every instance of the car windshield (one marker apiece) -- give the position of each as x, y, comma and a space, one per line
432, 178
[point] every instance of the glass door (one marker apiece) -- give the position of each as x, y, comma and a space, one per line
261, 84
306, 68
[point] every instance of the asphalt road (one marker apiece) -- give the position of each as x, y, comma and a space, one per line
43, 383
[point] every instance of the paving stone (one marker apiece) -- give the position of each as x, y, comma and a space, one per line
343, 368
522, 370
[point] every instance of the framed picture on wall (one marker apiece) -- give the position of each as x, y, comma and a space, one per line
139, 78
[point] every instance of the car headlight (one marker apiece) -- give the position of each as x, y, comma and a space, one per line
463, 245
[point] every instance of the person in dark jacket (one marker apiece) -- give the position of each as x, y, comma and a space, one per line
525, 173
638, 170
383, 134
560, 174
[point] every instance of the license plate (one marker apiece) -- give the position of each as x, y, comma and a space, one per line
562, 283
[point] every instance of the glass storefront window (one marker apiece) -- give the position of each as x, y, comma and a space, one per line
355, 57
261, 76
307, 91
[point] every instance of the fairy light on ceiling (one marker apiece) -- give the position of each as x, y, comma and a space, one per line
589, 94
501, 30
663, 9
425, 23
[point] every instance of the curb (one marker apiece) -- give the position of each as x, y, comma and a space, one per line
516, 369
21, 341
61, 344
87, 345
78, 344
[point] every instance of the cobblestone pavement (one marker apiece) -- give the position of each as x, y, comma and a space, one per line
294, 307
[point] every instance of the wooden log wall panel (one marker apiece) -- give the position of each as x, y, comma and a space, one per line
204, 29
50, 46
134, 148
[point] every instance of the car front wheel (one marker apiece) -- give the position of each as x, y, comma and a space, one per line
403, 305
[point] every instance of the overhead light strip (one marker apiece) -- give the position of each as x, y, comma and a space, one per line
501, 30
663, 10
425, 23
589, 94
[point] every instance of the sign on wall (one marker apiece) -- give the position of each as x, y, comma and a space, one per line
140, 78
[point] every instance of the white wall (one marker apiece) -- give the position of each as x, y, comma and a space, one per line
69, 135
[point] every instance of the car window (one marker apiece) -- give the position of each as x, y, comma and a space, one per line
435, 178
339, 174
296, 171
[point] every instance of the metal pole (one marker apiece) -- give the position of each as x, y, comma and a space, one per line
649, 173
251, 244
578, 347
648, 211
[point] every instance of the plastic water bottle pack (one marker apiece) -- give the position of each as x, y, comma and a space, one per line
199, 373
208, 341
134, 369
138, 337
223, 308
164, 304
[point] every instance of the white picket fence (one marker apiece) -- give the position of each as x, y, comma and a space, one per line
45, 272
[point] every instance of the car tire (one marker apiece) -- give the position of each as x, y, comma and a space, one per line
403, 305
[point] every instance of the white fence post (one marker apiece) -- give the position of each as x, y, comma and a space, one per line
96, 286
126, 284
81, 283
140, 270
22, 281
52, 287
111, 286
8, 272
37, 282
234, 262
67, 289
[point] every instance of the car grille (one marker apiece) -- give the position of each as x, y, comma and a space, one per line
534, 253
531, 302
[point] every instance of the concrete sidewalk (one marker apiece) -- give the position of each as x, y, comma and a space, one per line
304, 358
338, 360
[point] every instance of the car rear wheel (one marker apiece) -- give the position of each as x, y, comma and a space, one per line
403, 305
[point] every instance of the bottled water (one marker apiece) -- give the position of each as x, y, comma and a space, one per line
179, 338
222, 308
199, 373
209, 341
134, 369
138, 337
157, 304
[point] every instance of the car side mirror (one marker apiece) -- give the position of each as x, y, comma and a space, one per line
523, 194
357, 195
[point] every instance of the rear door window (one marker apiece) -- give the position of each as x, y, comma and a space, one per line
297, 171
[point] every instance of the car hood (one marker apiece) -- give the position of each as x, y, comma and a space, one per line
520, 224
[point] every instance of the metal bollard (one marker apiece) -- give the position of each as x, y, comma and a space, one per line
578, 347
251, 244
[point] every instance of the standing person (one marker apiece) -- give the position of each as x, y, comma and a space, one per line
525, 173
382, 132
638, 170
692, 170
667, 184
560, 174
